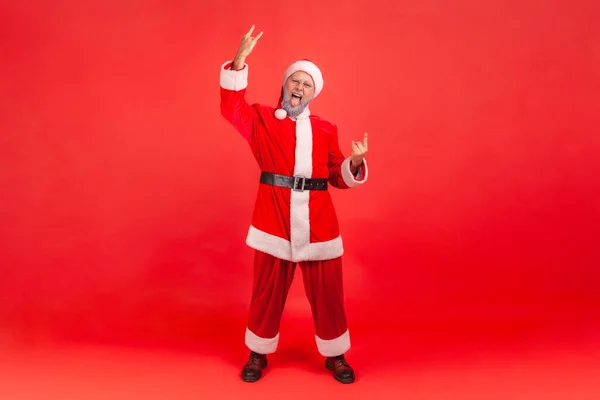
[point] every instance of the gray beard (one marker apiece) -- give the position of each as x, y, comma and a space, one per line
293, 112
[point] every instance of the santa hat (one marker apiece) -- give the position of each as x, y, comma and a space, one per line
308, 67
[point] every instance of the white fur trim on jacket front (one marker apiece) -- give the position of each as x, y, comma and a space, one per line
299, 201
234, 80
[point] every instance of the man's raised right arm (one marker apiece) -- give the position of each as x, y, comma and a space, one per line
234, 81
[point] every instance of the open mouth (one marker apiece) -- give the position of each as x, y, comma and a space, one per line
295, 100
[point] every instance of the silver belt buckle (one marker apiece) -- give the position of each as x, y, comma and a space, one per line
298, 179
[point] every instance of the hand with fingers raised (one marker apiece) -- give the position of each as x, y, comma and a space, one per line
359, 151
247, 44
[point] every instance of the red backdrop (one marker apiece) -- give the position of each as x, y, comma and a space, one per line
126, 197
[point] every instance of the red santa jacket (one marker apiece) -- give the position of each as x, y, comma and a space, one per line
291, 225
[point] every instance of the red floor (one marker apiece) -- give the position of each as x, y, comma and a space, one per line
417, 364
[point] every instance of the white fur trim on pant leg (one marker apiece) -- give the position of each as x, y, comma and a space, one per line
334, 347
261, 345
349, 179
234, 80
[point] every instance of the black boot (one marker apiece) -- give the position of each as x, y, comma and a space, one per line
252, 371
342, 371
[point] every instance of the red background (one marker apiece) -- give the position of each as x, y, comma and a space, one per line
126, 197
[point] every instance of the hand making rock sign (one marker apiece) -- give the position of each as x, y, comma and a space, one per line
247, 44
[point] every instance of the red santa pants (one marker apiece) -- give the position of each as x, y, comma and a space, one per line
323, 286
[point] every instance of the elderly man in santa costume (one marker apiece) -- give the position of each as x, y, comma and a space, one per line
294, 221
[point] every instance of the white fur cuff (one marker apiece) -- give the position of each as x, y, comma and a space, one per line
234, 80
349, 179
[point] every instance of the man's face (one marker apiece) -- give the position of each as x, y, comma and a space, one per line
298, 91
300, 86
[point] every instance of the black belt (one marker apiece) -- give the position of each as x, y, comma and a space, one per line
298, 183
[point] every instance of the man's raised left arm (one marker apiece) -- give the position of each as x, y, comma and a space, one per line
348, 172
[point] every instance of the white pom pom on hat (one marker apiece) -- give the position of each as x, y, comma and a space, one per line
311, 69
280, 113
